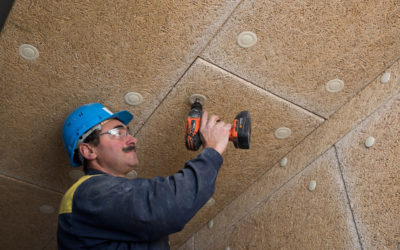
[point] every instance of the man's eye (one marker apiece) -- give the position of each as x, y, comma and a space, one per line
115, 132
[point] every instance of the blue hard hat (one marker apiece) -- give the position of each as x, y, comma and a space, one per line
84, 118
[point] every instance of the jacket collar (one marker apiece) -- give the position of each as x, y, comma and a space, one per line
91, 171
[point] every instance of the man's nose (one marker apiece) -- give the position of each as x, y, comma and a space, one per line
131, 139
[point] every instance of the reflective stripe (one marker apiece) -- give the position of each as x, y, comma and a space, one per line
108, 111
66, 202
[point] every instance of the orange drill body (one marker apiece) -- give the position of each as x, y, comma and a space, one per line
233, 134
239, 134
192, 127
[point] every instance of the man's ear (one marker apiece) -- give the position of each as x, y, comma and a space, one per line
87, 151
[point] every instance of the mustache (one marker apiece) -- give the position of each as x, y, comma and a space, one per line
129, 148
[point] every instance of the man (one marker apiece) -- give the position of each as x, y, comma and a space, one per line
105, 210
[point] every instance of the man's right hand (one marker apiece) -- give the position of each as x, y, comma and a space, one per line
214, 133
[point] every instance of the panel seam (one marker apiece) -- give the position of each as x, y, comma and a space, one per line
26, 182
259, 87
268, 196
347, 196
196, 57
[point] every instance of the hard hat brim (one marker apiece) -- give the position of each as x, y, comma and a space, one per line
124, 116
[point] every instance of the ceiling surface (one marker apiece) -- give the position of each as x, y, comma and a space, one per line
97, 51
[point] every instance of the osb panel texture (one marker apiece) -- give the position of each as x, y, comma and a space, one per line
304, 44
90, 51
296, 218
331, 131
165, 155
23, 226
189, 244
372, 177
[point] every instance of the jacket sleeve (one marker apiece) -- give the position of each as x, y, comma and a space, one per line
147, 209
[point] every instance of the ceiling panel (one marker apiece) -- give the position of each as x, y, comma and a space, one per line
161, 148
301, 45
23, 224
90, 51
279, 222
372, 176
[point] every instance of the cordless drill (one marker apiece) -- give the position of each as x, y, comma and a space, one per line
239, 134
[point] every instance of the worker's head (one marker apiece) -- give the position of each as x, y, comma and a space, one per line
97, 138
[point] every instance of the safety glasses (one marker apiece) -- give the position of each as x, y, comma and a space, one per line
119, 131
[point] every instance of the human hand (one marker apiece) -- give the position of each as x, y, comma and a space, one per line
214, 133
